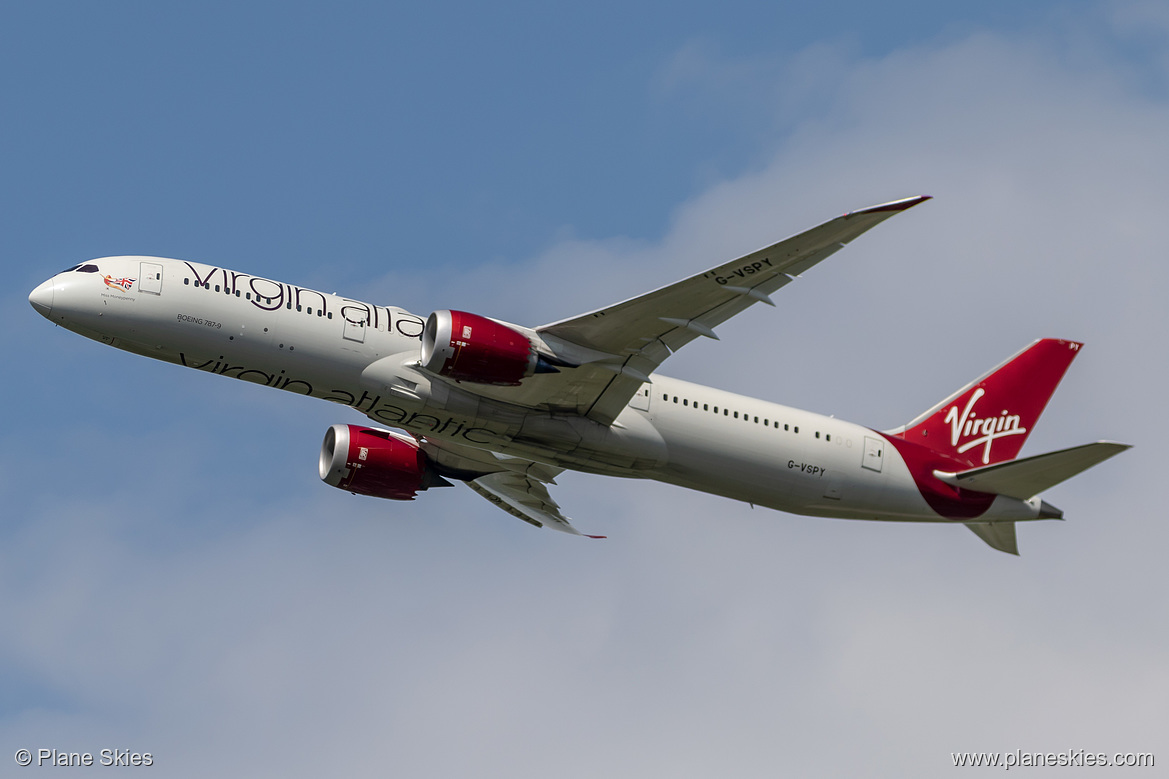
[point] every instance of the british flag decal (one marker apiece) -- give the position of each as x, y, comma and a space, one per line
123, 284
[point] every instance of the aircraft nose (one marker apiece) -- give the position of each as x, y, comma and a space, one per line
41, 298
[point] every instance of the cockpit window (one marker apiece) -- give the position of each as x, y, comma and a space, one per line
87, 269
70, 270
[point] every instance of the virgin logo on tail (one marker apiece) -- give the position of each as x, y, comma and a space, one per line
1022, 384
988, 429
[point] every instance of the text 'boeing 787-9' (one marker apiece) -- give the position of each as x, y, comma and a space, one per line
505, 408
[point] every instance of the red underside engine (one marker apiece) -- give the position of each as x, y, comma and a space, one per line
375, 462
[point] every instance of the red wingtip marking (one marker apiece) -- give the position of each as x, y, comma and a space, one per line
586, 535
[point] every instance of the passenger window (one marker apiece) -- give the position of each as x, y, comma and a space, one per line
187, 282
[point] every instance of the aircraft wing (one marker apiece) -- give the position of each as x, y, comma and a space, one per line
524, 497
616, 348
516, 485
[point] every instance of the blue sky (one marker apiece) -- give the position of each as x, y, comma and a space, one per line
175, 578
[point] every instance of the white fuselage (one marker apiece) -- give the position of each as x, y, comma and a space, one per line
367, 356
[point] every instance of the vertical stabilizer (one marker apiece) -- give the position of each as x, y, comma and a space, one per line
988, 420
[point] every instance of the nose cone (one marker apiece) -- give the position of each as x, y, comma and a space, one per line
41, 298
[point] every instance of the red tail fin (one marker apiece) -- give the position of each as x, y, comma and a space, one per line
988, 420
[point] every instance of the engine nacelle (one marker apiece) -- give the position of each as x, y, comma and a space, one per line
469, 347
376, 462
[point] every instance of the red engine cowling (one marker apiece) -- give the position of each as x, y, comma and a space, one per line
469, 347
376, 462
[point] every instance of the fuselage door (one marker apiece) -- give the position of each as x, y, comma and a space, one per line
874, 451
354, 331
150, 278
640, 401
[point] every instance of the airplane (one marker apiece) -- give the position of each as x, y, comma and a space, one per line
506, 408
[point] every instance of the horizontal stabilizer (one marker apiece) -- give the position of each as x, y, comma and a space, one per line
1030, 476
999, 535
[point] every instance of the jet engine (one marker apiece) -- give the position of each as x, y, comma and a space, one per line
469, 347
368, 461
